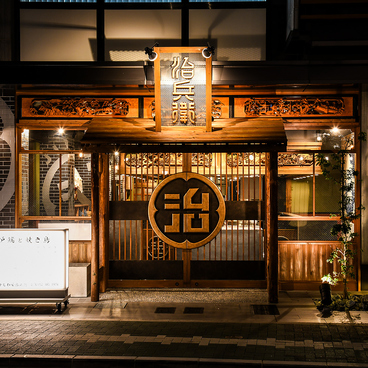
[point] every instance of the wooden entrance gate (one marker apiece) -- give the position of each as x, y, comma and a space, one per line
235, 257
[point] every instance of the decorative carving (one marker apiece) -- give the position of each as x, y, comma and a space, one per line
217, 108
77, 107
284, 159
295, 159
245, 159
202, 159
147, 160
293, 107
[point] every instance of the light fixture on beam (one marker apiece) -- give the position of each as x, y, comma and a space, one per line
152, 56
208, 51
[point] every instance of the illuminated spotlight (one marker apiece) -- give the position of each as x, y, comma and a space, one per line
80, 154
335, 130
208, 51
301, 158
152, 56
319, 137
61, 131
116, 153
116, 167
251, 157
327, 158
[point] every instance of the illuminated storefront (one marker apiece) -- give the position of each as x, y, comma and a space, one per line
93, 142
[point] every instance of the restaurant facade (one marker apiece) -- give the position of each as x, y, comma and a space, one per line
197, 169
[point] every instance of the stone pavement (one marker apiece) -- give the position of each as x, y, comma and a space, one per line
171, 330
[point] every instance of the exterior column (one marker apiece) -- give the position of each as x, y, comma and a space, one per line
103, 220
95, 228
364, 191
187, 253
272, 261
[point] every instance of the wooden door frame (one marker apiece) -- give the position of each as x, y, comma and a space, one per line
99, 284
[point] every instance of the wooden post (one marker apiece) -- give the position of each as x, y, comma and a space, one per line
95, 228
187, 253
187, 256
18, 178
103, 220
271, 228
187, 162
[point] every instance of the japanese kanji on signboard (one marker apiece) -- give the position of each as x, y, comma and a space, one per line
182, 88
186, 210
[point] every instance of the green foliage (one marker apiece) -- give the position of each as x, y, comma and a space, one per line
337, 169
339, 303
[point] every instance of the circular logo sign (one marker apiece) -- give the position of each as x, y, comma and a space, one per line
186, 210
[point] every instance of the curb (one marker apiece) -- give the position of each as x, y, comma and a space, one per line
82, 361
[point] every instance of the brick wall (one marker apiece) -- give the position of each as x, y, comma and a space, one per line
7, 158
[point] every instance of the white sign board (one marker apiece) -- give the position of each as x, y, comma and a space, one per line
33, 259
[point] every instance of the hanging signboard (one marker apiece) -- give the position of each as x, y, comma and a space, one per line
33, 263
183, 88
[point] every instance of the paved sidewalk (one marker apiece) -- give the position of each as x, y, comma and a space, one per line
126, 331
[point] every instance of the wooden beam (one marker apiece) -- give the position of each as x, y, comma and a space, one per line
103, 215
183, 148
138, 210
271, 228
318, 124
53, 124
157, 93
95, 229
18, 178
122, 131
209, 94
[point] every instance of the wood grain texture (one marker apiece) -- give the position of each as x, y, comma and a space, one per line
305, 262
119, 131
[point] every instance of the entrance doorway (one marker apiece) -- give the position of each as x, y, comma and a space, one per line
235, 257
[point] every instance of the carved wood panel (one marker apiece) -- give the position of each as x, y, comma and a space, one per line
284, 159
147, 160
293, 107
80, 107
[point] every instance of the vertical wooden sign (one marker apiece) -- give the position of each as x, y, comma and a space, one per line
183, 88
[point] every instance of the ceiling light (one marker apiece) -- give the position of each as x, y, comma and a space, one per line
152, 56
208, 51
61, 131
335, 130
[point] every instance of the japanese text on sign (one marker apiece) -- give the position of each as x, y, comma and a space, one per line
183, 112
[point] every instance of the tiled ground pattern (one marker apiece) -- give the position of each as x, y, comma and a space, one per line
345, 343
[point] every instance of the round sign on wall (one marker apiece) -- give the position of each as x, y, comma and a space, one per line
186, 210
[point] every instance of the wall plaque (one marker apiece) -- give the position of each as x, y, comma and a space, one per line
186, 210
